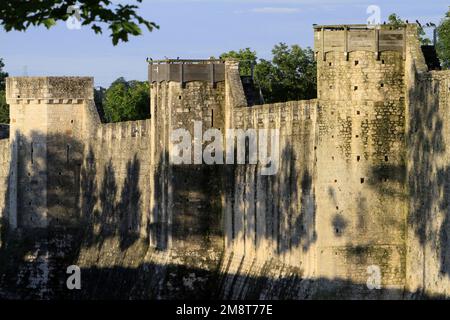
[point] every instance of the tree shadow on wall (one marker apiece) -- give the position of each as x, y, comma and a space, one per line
26, 254
34, 256
429, 182
105, 214
424, 184
55, 221
187, 204
286, 202
158, 226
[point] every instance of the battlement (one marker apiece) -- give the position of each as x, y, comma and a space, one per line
63, 90
350, 38
361, 181
289, 116
123, 130
182, 71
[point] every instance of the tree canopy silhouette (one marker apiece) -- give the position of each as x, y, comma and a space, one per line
4, 109
289, 75
121, 19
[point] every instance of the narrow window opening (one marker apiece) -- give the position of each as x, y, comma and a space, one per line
362, 180
358, 112
67, 153
330, 64
71, 121
358, 158
356, 62
179, 97
382, 85
357, 136
32, 152
212, 118
355, 88
337, 208
386, 158
335, 181
382, 62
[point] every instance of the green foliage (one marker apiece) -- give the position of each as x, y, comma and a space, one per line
424, 40
99, 96
291, 75
3, 75
122, 19
443, 44
397, 22
126, 101
4, 108
247, 57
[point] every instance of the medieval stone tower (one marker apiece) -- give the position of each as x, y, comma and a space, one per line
188, 197
358, 207
361, 153
47, 127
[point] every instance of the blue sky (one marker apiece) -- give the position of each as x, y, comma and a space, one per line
191, 29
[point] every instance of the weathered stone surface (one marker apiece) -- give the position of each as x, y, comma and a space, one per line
362, 183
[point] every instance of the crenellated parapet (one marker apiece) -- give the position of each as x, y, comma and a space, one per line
289, 116
183, 71
49, 122
351, 38
361, 182
51, 90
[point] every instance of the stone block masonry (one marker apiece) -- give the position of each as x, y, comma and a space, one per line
362, 184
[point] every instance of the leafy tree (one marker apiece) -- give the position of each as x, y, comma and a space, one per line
127, 100
291, 75
443, 43
424, 40
99, 96
247, 57
397, 22
3, 75
121, 19
4, 108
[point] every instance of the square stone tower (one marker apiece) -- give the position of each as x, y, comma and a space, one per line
48, 124
187, 201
